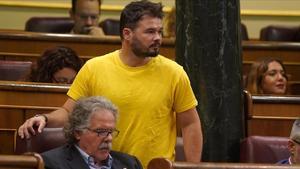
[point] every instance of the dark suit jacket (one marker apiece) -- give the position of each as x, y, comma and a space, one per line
68, 157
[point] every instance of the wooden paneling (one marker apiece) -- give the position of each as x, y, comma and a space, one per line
18, 45
12, 116
27, 161
272, 115
21, 100
162, 163
7, 137
32, 94
85, 46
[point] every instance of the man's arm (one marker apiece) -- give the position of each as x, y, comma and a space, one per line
56, 118
190, 125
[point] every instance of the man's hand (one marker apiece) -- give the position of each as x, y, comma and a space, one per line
96, 31
27, 129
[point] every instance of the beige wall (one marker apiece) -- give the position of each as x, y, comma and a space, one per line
255, 14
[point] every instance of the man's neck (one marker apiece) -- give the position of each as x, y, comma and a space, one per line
130, 59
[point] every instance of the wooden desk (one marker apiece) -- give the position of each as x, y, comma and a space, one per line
88, 46
32, 44
21, 100
27, 161
18, 45
12, 116
32, 94
162, 163
272, 115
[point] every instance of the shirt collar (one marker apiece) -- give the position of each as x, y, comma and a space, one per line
107, 164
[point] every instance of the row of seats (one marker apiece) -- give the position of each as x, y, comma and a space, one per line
111, 27
254, 149
65, 25
275, 33
280, 33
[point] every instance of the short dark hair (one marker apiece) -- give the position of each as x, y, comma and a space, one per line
134, 11
53, 60
74, 5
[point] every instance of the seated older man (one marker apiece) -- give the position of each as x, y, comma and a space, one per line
293, 145
89, 132
85, 14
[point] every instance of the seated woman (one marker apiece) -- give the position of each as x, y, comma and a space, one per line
56, 65
267, 76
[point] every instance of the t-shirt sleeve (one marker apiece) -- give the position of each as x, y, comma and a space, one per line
80, 85
184, 95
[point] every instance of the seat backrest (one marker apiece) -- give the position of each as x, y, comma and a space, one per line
50, 138
279, 33
244, 32
263, 149
110, 26
49, 24
14, 70
26, 161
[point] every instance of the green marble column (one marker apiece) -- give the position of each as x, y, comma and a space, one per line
208, 46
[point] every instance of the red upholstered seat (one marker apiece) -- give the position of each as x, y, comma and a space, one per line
50, 138
263, 149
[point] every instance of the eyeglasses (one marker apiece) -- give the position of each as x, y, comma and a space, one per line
104, 132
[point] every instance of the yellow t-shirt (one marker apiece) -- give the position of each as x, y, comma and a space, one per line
147, 97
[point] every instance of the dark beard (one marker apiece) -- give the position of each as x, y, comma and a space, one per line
137, 49
144, 54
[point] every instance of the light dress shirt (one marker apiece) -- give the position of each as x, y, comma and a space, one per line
91, 163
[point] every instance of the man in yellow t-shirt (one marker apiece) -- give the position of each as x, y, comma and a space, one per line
152, 92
